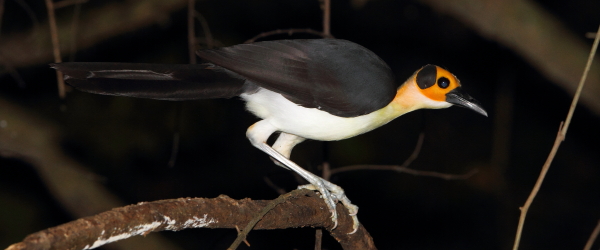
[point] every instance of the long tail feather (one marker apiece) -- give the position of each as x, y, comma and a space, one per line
155, 81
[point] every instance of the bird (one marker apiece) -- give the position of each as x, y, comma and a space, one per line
318, 89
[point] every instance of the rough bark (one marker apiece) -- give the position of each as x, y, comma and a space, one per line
303, 209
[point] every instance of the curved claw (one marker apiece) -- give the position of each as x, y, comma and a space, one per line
332, 193
330, 199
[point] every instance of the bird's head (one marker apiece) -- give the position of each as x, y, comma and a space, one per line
434, 87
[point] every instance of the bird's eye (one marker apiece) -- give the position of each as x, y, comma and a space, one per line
443, 82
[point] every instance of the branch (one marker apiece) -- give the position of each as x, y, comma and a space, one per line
55, 47
326, 7
34, 46
562, 132
593, 236
327, 173
303, 209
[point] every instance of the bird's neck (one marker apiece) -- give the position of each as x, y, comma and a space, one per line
408, 98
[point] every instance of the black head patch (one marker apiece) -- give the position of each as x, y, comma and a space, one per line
427, 76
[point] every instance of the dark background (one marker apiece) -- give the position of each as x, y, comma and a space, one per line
127, 142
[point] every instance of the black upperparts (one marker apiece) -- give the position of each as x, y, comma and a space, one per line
336, 76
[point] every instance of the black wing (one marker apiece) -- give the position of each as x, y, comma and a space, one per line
337, 76
156, 81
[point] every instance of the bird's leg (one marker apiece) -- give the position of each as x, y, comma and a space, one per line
284, 145
258, 135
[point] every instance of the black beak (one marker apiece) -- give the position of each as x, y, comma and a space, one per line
458, 97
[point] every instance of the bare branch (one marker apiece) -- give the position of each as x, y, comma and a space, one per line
326, 6
30, 13
302, 209
401, 169
272, 185
55, 47
282, 198
318, 238
1, 12
562, 132
191, 31
593, 236
581, 83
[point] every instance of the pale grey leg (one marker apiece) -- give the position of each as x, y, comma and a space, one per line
258, 135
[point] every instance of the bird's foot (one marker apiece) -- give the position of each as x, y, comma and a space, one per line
332, 193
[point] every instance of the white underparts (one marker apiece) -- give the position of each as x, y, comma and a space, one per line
312, 123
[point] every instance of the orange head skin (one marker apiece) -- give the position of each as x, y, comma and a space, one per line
432, 87
444, 83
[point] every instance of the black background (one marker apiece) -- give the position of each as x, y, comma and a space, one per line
127, 141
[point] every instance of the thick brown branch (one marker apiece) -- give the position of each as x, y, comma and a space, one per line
305, 209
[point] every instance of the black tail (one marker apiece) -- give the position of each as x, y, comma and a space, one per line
156, 81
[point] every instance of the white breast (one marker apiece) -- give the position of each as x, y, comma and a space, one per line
311, 123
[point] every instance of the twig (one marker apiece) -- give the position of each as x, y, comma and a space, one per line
1, 12
282, 198
272, 185
326, 173
326, 6
209, 38
590, 35
562, 132
415, 152
56, 47
581, 82
402, 168
191, 32
239, 231
590, 242
30, 13
289, 32
67, 3
318, 238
